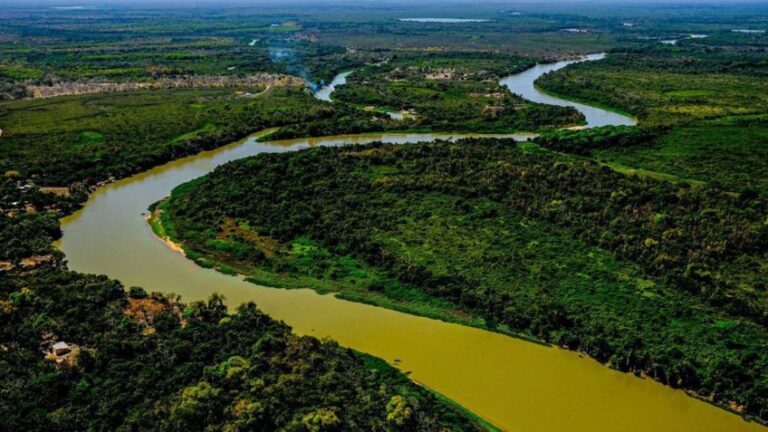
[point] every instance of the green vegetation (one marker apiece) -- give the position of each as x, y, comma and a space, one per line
703, 102
730, 152
636, 272
583, 142
29, 219
451, 91
645, 273
150, 363
669, 86
107, 135
138, 361
37, 51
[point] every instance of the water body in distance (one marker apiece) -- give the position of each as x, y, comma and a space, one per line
444, 20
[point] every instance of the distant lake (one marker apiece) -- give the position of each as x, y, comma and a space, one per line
747, 31
444, 20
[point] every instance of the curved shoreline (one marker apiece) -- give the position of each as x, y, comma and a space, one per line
595, 114
377, 301
587, 102
179, 247
510, 382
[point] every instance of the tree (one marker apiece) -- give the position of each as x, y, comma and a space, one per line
399, 412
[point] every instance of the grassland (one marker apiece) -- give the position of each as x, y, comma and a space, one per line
705, 100
730, 151
664, 88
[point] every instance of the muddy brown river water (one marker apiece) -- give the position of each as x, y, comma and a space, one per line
516, 385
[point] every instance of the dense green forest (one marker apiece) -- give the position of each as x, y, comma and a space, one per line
139, 361
555, 240
171, 366
648, 276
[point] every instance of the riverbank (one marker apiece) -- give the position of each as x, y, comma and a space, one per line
163, 229
592, 103
154, 218
440, 354
432, 308
491, 267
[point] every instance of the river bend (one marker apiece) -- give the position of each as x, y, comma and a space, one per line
515, 384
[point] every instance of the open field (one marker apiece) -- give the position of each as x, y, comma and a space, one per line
704, 101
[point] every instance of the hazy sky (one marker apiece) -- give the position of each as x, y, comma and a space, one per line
411, 3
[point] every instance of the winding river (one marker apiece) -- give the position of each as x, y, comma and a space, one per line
517, 385
523, 84
324, 93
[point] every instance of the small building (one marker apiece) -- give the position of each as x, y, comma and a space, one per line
60, 349
63, 354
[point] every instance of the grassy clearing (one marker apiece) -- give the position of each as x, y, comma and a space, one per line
730, 151
663, 88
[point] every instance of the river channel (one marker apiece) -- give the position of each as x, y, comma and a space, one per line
516, 385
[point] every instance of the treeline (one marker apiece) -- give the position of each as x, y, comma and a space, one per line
645, 275
582, 142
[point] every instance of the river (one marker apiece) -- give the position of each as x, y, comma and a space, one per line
324, 93
523, 85
514, 384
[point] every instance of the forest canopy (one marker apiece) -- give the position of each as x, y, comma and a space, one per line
648, 276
